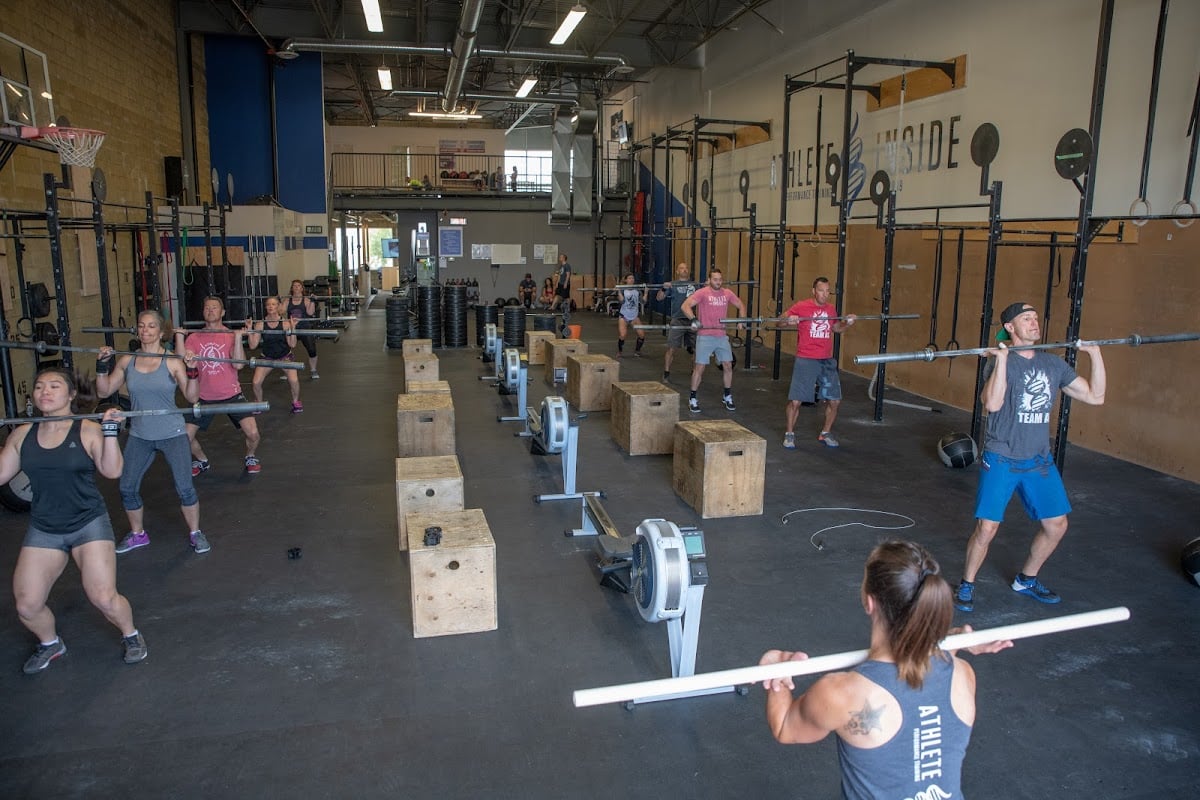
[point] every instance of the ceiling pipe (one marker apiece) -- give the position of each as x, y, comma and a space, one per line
522, 54
460, 59
491, 97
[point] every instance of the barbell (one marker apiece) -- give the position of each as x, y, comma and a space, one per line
633, 692
751, 320
320, 334
197, 409
44, 347
665, 285
192, 324
929, 354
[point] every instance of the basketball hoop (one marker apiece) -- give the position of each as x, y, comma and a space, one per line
76, 146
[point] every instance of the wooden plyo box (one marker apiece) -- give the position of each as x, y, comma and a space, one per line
428, 387
454, 582
425, 425
419, 367
558, 351
426, 484
535, 345
719, 468
589, 381
644, 414
417, 347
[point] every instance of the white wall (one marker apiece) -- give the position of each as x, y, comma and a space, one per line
393, 139
1030, 66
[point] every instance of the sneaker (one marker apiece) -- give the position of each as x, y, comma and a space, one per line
827, 440
789, 441
135, 648
316, 376
964, 596
728, 401
1032, 587
666, 377
283, 377
200, 541
252, 465
693, 405
297, 407
198, 467
133, 541
42, 657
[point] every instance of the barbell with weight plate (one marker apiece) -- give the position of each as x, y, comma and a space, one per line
197, 409
665, 285
44, 348
752, 320
929, 354
320, 334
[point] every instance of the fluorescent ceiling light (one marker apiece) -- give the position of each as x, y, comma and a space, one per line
385, 79
438, 115
374, 18
527, 87
572, 20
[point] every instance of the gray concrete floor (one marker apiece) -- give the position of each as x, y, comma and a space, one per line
271, 677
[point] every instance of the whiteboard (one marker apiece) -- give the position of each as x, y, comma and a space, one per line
506, 254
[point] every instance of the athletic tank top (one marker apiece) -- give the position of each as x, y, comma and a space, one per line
274, 345
153, 390
924, 758
65, 497
629, 303
297, 311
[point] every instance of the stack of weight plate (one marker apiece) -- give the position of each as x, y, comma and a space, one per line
514, 326
455, 320
429, 314
397, 321
483, 316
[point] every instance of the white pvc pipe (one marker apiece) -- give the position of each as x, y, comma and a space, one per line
632, 692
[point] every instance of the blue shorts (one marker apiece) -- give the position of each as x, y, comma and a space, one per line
708, 346
814, 378
98, 530
1035, 480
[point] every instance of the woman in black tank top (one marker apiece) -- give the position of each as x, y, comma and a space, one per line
274, 334
299, 310
68, 519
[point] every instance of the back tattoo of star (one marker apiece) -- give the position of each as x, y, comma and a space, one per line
864, 721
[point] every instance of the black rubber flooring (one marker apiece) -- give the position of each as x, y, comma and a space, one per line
270, 677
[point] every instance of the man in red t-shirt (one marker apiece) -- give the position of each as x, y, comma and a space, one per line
816, 322
218, 382
706, 308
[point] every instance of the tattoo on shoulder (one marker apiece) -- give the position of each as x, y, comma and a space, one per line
865, 720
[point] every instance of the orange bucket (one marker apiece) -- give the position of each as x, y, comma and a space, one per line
574, 331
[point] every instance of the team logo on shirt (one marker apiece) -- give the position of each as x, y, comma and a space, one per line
819, 327
210, 350
1036, 399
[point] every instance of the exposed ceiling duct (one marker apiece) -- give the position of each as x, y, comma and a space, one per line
521, 54
491, 97
464, 41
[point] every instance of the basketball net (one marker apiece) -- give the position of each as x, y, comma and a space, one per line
76, 146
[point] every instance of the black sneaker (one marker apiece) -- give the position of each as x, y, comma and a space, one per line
1032, 587
693, 405
135, 648
728, 401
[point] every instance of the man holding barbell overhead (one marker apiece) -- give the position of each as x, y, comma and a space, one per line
1018, 394
815, 365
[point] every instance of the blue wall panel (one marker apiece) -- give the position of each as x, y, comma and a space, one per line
239, 108
300, 132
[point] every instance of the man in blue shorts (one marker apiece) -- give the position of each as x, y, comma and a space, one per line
1018, 395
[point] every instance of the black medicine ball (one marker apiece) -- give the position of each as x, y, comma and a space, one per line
957, 450
1190, 560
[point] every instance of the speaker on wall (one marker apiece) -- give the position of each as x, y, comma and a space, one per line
173, 168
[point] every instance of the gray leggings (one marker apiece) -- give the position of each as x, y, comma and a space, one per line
139, 454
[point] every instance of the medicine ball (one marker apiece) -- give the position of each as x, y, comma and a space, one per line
1190, 560
957, 450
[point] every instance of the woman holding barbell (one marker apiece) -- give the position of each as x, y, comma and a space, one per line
629, 314
151, 381
277, 345
68, 518
903, 717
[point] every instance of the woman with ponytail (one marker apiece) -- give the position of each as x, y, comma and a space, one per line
903, 717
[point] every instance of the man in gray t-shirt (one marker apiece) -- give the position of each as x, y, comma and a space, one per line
680, 334
1018, 394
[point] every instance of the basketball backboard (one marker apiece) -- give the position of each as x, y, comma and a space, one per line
26, 99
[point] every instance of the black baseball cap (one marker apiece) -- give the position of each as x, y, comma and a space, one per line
1008, 315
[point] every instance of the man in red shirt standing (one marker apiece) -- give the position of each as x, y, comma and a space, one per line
706, 308
815, 322
218, 382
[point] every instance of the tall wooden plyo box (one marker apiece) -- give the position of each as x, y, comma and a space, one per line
425, 425
589, 381
644, 414
719, 468
557, 353
535, 345
428, 387
426, 484
420, 367
417, 347
454, 581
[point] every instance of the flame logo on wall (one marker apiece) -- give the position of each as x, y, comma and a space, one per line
857, 177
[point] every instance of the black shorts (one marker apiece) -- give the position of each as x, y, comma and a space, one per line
204, 420
562, 291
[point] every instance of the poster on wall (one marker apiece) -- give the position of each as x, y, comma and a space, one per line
450, 241
549, 254
481, 252
448, 149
